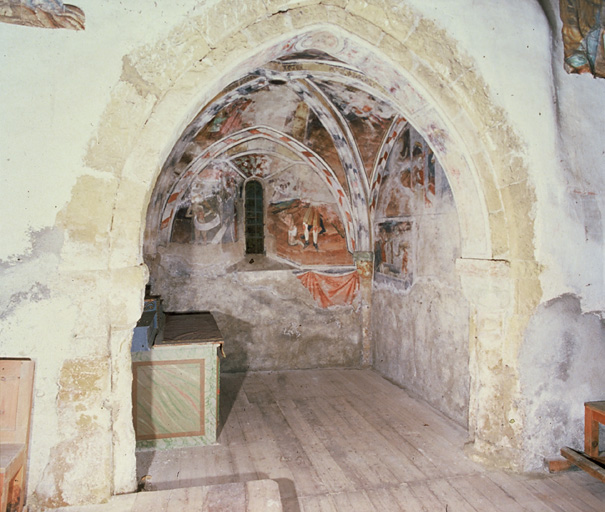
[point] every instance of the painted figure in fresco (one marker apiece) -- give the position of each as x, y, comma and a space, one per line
212, 210
292, 230
205, 218
313, 222
584, 36
418, 165
391, 249
402, 247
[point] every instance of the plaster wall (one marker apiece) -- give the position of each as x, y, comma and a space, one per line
572, 250
57, 300
559, 376
268, 319
420, 335
90, 117
419, 330
562, 353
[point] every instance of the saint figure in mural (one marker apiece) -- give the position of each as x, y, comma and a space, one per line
418, 165
295, 224
312, 222
292, 230
392, 255
205, 218
211, 209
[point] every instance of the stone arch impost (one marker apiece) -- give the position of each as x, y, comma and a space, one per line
495, 419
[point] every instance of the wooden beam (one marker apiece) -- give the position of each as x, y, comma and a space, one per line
558, 465
593, 467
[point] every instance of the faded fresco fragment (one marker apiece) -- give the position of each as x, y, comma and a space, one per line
584, 36
411, 185
42, 14
393, 250
207, 213
367, 117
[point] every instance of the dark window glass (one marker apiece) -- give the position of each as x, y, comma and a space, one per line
255, 229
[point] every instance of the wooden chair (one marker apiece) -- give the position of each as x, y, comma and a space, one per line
16, 387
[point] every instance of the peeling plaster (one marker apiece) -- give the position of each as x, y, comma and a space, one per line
26, 278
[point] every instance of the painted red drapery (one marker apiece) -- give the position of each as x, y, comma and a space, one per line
331, 289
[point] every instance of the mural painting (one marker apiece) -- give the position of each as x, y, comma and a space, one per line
304, 220
367, 117
308, 233
207, 213
329, 289
393, 248
411, 185
584, 36
313, 208
42, 14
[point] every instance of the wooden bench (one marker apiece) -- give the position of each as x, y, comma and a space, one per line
16, 386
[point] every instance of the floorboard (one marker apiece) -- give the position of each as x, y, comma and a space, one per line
349, 440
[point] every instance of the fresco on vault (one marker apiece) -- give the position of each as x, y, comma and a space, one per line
253, 165
412, 184
408, 184
367, 117
207, 213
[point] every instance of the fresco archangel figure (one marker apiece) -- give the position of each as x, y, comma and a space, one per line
584, 35
42, 13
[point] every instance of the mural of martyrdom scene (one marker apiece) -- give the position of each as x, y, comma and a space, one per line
207, 213
304, 220
584, 36
413, 184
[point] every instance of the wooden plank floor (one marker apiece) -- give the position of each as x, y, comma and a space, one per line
348, 440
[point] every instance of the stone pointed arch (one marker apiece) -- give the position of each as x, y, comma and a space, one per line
441, 95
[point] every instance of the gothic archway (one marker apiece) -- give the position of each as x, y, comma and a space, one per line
466, 131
